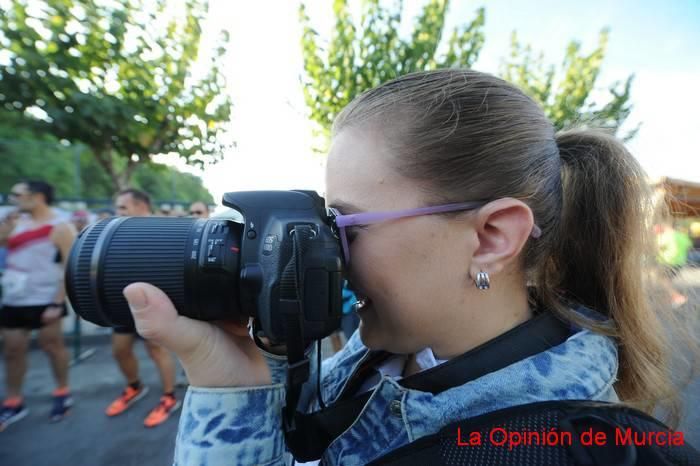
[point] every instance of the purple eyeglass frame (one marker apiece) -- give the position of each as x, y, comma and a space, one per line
341, 221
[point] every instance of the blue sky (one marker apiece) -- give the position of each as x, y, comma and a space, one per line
658, 41
645, 35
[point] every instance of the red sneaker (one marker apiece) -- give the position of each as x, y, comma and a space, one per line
128, 397
160, 414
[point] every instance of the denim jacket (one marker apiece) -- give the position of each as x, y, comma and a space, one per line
242, 426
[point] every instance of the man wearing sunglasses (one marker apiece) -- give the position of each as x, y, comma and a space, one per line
33, 295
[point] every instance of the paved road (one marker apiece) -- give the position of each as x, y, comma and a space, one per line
89, 438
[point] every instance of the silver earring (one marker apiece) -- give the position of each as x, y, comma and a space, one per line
483, 282
359, 304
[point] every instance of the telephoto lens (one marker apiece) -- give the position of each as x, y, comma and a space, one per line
195, 262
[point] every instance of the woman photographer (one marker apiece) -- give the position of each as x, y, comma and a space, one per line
486, 218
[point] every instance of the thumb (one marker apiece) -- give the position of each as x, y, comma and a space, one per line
157, 320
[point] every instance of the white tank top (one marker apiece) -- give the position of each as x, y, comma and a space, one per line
33, 274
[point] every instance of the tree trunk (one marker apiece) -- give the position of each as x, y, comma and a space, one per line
126, 174
103, 157
120, 178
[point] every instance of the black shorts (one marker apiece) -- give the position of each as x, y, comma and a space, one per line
27, 317
126, 330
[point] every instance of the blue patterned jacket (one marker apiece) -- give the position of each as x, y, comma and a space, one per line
242, 426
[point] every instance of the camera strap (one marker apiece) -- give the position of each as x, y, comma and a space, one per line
291, 299
311, 434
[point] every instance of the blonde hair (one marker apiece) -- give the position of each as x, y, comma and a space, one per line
471, 136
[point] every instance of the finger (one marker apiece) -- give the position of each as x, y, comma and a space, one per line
157, 320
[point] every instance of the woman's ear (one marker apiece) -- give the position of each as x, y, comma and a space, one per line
502, 227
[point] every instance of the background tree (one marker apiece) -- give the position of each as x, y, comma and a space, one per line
165, 183
364, 55
29, 154
361, 55
565, 93
116, 77
24, 155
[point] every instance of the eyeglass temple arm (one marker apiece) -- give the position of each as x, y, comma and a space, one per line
369, 218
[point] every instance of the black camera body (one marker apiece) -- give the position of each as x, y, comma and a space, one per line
282, 266
274, 220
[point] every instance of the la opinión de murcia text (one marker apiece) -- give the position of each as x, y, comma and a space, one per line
501, 437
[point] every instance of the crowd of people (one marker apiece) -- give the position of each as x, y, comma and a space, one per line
36, 239
83, 217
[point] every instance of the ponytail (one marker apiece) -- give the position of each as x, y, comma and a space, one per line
601, 253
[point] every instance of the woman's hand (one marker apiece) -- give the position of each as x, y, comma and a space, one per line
218, 354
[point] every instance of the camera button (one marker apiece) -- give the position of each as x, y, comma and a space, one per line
252, 234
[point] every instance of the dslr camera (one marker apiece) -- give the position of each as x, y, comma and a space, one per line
282, 266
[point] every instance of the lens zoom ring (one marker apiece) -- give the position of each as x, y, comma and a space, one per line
150, 249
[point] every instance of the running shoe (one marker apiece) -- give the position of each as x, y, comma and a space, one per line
160, 414
11, 414
128, 397
61, 406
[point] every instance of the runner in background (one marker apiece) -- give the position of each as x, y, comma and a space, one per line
33, 295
